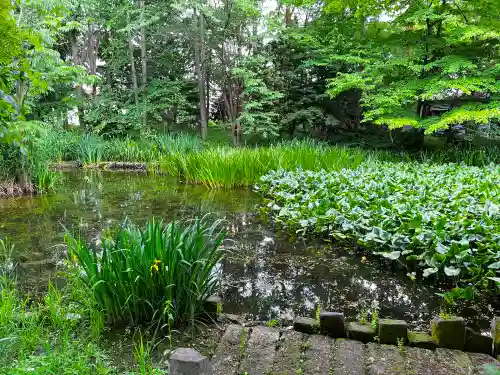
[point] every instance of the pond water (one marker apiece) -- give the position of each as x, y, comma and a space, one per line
267, 276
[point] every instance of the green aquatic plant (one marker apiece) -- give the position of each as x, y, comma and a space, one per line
133, 273
443, 219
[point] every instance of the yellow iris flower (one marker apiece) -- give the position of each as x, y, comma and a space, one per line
154, 266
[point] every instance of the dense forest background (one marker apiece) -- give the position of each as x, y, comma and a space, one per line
375, 72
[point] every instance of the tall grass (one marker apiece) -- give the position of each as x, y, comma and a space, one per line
136, 275
229, 167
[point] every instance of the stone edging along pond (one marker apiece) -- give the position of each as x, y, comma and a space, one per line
446, 332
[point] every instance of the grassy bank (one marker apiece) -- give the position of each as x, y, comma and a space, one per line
194, 161
151, 279
441, 221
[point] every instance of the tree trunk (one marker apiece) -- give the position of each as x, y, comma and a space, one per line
132, 69
144, 62
199, 55
78, 88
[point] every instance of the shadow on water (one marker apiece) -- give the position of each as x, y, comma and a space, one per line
265, 276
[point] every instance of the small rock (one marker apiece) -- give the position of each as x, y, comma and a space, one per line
360, 332
332, 324
212, 306
449, 333
187, 361
389, 331
421, 340
306, 325
477, 343
495, 333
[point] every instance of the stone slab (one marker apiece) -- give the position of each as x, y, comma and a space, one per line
459, 363
226, 360
479, 360
347, 358
289, 354
260, 351
317, 355
384, 360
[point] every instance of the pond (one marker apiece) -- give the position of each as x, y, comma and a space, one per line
266, 276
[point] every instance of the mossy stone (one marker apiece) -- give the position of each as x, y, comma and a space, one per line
360, 332
495, 333
390, 331
421, 340
306, 325
477, 343
449, 333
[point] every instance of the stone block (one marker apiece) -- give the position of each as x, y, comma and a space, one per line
212, 306
495, 333
332, 324
187, 361
449, 333
389, 331
421, 340
306, 325
360, 332
477, 343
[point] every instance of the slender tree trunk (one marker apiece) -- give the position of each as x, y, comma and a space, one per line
78, 88
132, 69
199, 57
144, 62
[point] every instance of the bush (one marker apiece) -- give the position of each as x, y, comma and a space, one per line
444, 218
137, 275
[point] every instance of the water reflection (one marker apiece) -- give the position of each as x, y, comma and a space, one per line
265, 276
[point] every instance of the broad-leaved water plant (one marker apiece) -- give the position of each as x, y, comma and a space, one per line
443, 219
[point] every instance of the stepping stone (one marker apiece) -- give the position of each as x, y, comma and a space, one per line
227, 357
289, 354
458, 363
317, 355
347, 358
479, 360
260, 352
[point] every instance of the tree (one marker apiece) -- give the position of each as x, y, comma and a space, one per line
432, 65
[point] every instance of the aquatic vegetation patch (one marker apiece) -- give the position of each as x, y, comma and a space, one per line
445, 219
143, 275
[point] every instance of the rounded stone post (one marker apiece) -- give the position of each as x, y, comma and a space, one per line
187, 361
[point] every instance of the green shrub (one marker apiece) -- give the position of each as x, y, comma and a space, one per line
135, 274
443, 218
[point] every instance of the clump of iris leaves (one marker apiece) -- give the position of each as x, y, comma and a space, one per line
443, 220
